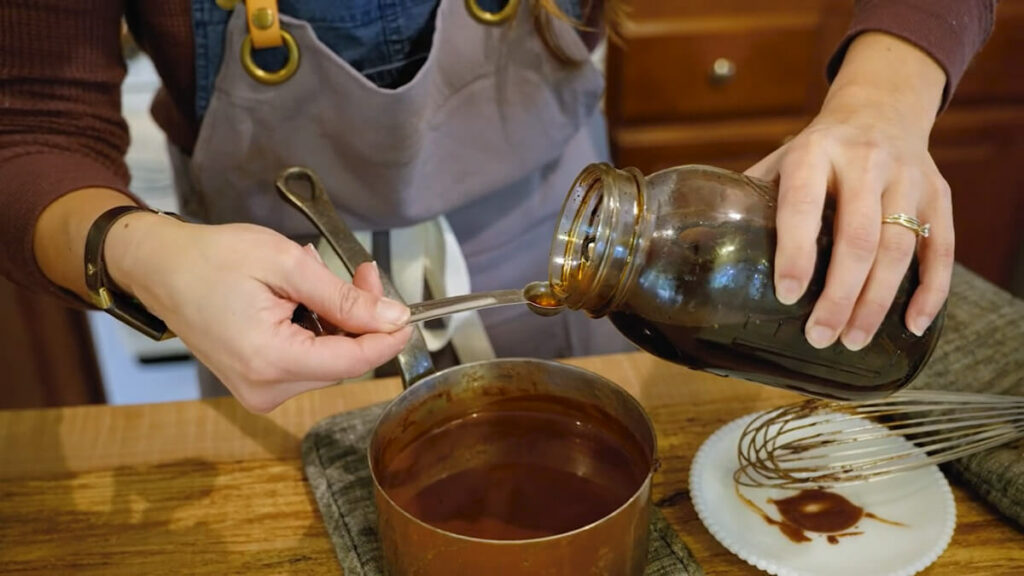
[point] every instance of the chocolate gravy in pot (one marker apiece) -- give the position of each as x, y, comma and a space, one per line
516, 470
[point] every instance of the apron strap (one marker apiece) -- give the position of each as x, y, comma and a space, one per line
264, 24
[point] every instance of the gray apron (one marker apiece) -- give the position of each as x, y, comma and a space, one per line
490, 133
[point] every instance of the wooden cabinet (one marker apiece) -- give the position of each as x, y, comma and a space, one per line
725, 82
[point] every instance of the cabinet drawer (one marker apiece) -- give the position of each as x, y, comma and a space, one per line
663, 9
685, 69
735, 144
979, 152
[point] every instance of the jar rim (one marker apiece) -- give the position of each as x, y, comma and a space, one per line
594, 237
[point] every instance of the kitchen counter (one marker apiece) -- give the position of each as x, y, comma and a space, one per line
205, 487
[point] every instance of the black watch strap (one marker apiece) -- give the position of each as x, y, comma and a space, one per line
102, 291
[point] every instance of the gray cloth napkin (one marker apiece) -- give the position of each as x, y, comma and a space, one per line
981, 349
334, 456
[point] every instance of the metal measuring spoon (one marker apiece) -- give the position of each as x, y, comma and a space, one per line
537, 296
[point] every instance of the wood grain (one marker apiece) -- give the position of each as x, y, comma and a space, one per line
207, 488
187, 517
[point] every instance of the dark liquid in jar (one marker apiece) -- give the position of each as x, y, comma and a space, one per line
783, 359
711, 306
513, 475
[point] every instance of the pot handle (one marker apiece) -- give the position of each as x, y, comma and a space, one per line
414, 360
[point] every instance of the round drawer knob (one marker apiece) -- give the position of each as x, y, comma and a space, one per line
723, 70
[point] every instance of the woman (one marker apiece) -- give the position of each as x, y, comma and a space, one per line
410, 111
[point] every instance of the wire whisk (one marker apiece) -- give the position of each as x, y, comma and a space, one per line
820, 444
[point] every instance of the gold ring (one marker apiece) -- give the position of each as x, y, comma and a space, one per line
909, 222
277, 76
492, 18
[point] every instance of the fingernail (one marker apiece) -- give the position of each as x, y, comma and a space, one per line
855, 339
787, 290
312, 250
391, 312
820, 336
919, 324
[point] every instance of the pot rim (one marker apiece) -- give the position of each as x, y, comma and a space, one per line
644, 486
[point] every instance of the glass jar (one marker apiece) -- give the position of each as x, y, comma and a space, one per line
682, 263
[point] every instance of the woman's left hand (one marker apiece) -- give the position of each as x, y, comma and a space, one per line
869, 147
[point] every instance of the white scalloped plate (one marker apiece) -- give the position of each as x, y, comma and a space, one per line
920, 499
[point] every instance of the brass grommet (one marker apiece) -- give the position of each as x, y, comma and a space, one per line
263, 19
227, 4
277, 76
492, 18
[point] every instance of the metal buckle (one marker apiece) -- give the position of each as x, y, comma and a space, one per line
124, 308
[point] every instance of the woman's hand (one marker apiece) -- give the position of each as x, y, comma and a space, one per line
229, 293
869, 147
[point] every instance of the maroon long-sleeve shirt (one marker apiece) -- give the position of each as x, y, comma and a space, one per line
61, 69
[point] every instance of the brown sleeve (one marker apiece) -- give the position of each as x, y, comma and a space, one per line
60, 123
951, 31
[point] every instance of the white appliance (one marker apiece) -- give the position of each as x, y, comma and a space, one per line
134, 368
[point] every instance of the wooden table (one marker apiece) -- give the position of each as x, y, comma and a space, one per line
208, 488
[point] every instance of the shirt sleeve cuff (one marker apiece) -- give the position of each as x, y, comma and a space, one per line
28, 184
951, 32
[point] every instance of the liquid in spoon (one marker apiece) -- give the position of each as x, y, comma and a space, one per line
538, 296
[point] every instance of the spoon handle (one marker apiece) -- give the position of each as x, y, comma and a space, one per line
440, 307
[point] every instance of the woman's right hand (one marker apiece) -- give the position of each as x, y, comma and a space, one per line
229, 292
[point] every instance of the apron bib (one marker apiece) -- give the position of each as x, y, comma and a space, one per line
489, 134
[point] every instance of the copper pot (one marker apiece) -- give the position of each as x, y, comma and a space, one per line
509, 466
